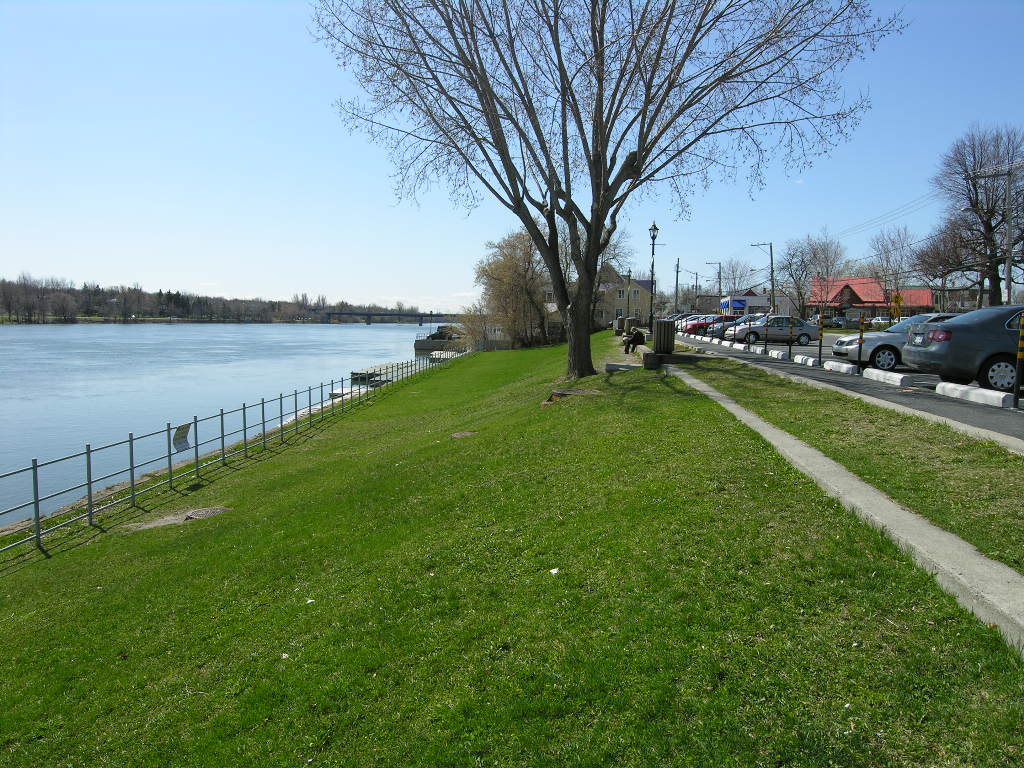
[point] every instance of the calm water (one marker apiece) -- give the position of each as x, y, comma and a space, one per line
64, 386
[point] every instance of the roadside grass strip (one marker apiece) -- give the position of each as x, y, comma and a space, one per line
971, 488
628, 578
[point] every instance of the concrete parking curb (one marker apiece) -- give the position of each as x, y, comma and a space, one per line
888, 377
992, 591
806, 360
1010, 443
839, 367
976, 394
778, 354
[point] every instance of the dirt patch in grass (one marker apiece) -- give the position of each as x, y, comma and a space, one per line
178, 518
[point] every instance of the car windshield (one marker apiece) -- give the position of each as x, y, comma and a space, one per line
903, 326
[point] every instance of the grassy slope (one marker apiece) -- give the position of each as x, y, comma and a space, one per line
698, 616
969, 487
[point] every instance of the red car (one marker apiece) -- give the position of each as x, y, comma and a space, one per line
708, 324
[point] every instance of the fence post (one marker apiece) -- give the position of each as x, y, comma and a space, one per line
131, 465
35, 503
321, 401
245, 433
88, 482
195, 443
223, 458
170, 463
332, 399
309, 406
295, 412
280, 415
263, 421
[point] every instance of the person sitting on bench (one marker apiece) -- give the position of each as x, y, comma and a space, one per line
635, 339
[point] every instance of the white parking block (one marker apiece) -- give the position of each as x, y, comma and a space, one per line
778, 354
888, 377
805, 360
976, 394
840, 367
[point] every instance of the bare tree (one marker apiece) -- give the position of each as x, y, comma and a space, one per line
563, 109
946, 261
511, 276
808, 269
964, 180
737, 276
890, 262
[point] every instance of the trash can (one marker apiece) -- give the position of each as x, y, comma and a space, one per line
664, 336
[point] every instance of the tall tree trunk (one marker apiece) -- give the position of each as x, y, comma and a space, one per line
995, 292
577, 326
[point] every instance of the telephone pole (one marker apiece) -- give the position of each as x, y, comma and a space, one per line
771, 270
675, 303
713, 263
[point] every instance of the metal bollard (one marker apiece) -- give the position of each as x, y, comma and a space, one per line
35, 503
195, 443
170, 460
860, 343
223, 456
88, 482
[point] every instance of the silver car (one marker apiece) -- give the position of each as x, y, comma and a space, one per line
776, 328
883, 349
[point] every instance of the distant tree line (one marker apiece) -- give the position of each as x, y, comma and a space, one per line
55, 300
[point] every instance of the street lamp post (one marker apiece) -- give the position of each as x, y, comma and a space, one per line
629, 284
654, 236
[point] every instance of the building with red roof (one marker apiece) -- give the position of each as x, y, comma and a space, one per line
852, 296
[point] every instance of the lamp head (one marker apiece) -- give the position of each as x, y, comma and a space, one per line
654, 231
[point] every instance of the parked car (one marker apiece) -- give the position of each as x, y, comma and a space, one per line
880, 320
700, 323
829, 322
775, 328
884, 349
979, 345
717, 326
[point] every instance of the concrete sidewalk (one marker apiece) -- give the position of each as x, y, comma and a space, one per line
994, 592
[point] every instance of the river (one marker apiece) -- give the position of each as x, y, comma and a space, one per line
62, 386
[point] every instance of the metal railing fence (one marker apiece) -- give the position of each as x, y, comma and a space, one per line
172, 454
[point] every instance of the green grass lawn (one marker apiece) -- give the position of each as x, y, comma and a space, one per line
383, 594
970, 487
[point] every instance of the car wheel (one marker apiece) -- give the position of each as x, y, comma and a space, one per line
998, 373
803, 339
751, 338
885, 358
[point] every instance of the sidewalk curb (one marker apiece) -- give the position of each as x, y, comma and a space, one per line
1010, 443
990, 590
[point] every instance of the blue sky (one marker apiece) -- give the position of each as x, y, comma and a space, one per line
196, 146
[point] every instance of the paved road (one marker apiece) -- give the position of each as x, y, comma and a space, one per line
920, 396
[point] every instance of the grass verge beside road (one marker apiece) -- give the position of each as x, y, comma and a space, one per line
579, 584
967, 486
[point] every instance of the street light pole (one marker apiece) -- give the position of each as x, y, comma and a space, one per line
654, 236
629, 282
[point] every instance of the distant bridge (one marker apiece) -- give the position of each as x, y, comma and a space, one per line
430, 317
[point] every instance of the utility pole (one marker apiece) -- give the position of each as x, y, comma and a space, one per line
771, 270
675, 303
712, 263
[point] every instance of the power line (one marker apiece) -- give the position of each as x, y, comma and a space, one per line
913, 206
